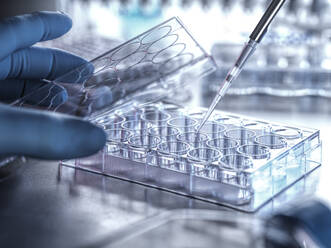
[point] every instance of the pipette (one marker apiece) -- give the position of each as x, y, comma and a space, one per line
249, 48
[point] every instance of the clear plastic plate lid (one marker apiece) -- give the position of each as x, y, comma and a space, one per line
139, 71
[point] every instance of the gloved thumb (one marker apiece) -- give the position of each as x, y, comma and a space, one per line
47, 135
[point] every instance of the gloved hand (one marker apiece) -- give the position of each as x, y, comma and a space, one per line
39, 134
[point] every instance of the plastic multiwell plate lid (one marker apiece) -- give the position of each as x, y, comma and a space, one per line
143, 69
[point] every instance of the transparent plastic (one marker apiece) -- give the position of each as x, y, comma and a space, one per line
243, 169
140, 71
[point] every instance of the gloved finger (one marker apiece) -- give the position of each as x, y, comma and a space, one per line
38, 62
47, 135
23, 31
34, 92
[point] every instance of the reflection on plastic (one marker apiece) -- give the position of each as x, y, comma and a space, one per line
142, 69
237, 169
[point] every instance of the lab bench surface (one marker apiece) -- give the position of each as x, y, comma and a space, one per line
47, 205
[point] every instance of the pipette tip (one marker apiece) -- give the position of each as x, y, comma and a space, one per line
209, 112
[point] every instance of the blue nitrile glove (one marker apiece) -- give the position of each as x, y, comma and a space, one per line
307, 222
35, 133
